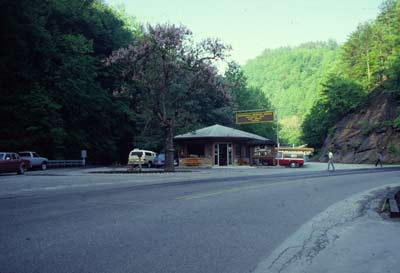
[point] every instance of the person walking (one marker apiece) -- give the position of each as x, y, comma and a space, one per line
378, 159
330, 161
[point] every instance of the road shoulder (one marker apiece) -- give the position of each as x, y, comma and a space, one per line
350, 236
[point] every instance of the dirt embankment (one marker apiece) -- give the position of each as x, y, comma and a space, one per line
359, 135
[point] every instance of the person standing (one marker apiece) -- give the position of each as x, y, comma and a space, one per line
378, 159
330, 161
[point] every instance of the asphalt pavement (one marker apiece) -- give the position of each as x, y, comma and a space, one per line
218, 220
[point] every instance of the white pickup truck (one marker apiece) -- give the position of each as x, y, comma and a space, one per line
35, 160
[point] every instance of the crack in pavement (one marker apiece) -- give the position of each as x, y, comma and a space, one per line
318, 239
300, 249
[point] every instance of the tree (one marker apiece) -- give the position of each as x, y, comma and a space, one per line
356, 55
386, 43
247, 98
165, 73
54, 89
368, 59
339, 97
290, 78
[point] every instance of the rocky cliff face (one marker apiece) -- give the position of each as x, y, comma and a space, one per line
359, 135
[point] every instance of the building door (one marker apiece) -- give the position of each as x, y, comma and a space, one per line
223, 155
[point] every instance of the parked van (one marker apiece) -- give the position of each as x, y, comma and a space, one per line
290, 159
144, 157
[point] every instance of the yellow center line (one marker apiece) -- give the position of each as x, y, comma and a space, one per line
236, 189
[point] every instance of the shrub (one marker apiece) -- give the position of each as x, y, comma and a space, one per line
366, 128
396, 122
392, 149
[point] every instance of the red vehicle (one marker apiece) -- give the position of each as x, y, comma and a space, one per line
290, 159
11, 162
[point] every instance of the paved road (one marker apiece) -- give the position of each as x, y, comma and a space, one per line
231, 223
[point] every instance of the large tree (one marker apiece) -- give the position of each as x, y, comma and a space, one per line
168, 77
247, 98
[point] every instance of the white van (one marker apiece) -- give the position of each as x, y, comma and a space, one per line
144, 157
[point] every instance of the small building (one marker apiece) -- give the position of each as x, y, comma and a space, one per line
219, 145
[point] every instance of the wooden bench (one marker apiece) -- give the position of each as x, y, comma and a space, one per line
191, 161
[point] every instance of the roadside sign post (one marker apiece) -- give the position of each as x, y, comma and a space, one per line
84, 156
141, 157
259, 116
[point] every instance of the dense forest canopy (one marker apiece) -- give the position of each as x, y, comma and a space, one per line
55, 93
59, 95
291, 78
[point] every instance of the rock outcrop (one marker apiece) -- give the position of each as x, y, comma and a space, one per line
359, 135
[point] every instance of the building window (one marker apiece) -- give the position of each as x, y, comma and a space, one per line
196, 150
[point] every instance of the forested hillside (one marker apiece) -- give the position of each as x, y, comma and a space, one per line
55, 94
71, 79
80, 75
291, 78
368, 61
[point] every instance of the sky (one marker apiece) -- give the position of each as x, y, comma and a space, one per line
252, 26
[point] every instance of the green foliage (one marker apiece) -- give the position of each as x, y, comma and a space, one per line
338, 97
356, 56
55, 92
247, 98
171, 80
370, 54
290, 78
355, 144
331, 131
393, 150
59, 97
366, 128
368, 59
396, 123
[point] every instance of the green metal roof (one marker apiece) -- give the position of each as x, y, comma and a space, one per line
219, 131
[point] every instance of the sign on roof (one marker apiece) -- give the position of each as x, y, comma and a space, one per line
254, 117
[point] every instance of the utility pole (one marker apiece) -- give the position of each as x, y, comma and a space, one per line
277, 136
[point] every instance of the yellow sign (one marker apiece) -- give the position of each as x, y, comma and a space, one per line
254, 117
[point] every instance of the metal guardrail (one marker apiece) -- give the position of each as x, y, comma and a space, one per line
65, 163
